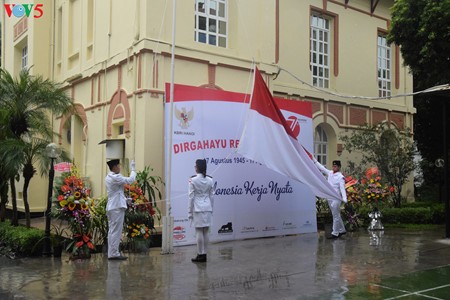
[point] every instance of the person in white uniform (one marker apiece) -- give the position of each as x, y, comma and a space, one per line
201, 203
337, 181
116, 205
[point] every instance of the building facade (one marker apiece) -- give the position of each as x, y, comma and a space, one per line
114, 58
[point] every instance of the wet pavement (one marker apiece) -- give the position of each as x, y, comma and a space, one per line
360, 265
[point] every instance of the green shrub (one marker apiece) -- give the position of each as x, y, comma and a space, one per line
432, 213
22, 240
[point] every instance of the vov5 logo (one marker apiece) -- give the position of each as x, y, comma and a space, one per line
20, 10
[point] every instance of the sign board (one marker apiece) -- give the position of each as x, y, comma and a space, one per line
251, 200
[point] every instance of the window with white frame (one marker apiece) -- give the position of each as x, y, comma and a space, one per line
24, 57
320, 51
321, 145
384, 67
211, 22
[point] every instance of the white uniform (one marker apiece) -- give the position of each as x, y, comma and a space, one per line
115, 208
201, 200
200, 210
337, 181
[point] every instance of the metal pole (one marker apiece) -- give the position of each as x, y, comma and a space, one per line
167, 234
446, 194
47, 251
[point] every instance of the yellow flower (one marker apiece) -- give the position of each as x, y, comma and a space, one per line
72, 206
63, 203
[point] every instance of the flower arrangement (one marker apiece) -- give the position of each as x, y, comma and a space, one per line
73, 203
139, 215
352, 189
138, 231
372, 190
369, 191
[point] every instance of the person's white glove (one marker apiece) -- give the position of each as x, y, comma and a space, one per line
132, 166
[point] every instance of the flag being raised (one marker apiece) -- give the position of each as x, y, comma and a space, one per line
268, 139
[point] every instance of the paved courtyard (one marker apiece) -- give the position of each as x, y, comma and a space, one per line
389, 264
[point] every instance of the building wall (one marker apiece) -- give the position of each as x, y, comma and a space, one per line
114, 60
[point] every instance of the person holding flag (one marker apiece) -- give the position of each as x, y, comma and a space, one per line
116, 205
337, 181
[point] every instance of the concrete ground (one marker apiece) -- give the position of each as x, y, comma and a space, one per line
389, 264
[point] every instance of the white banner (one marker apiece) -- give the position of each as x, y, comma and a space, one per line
251, 200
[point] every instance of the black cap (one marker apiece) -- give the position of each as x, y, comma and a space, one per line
337, 163
113, 163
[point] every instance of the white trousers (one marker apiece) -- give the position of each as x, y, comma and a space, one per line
202, 239
115, 222
338, 225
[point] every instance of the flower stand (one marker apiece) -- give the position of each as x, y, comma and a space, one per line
375, 222
139, 245
57, 250
81, 254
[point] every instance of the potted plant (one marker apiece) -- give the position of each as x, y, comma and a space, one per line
150, 188
99, 224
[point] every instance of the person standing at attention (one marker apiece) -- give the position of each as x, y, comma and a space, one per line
201, 203
337, 181
116, 205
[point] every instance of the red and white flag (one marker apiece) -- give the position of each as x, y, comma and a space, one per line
268, 139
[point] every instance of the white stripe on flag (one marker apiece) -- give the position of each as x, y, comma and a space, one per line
268, 139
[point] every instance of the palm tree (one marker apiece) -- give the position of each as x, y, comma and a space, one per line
8, 172
7, 176
28, 102
3, 176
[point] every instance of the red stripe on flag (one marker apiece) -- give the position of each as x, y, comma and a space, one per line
264, 103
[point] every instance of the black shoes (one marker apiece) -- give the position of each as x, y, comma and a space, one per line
333, 237
199, 258
118, 258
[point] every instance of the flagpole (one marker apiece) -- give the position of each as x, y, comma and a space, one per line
167, 234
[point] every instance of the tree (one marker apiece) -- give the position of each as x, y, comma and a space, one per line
28, 102
389, 149
422, 29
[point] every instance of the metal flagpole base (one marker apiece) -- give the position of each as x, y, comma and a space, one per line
167, 235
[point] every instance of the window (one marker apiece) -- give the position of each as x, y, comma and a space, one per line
24, 57
321, 145
211, 22
320, 54
118, 129
384, 67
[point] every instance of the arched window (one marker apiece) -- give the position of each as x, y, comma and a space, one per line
321, 145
